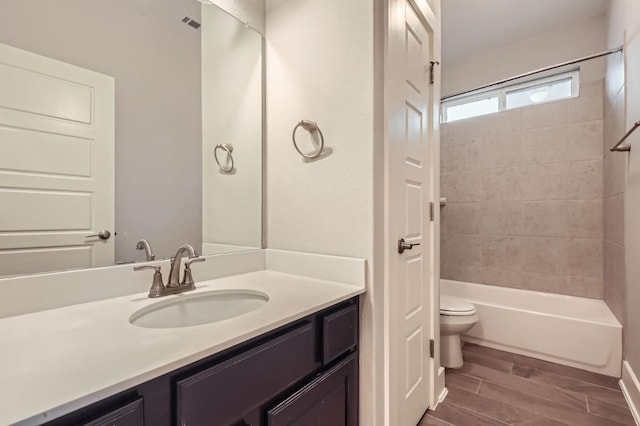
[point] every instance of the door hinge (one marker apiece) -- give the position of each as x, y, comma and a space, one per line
432, 348
432, 212
432, 73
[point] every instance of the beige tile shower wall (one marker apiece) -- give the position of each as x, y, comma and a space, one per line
615, 172
524, 193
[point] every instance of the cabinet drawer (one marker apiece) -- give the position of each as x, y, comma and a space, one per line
222, 394
128, 415
339, 333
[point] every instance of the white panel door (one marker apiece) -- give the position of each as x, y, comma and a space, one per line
56, 164
408, 194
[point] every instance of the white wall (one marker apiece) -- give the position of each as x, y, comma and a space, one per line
319, 67
624, 76
231, 114
248, 11
156, 65
320, 62
546, 49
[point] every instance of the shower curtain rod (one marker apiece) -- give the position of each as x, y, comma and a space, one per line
527, 74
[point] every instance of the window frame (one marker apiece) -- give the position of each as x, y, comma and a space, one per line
501, 93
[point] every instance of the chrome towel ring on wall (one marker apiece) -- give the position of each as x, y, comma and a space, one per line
309, 126
228, 148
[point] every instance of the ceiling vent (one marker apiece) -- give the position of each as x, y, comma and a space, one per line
191, 22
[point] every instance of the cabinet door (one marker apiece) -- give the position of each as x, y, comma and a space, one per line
329, 399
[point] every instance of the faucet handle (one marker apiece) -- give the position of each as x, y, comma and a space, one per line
187, 279
156, 268
194, 260
157, 287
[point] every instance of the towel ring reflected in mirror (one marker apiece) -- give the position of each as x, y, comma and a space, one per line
228, 148
309, 126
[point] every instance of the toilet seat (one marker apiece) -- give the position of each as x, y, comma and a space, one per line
452, 306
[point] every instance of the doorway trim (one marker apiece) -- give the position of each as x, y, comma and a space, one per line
437, 390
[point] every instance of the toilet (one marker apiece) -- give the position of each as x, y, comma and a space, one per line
456, 317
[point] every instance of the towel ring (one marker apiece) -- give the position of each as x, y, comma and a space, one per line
309, 126
229, 149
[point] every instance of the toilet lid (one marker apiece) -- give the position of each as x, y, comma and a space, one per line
450, 305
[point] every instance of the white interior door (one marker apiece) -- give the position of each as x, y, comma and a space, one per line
408, 194
56, 164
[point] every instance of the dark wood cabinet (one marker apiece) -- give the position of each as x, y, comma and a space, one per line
304, 373
128, 415
231, 389
329, 399
339, 333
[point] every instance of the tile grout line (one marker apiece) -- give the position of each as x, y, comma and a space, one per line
505, 403
542, 398
438, 418
542, 368
480, 413
604, 401
496, 383
610, 419
586, 407
561, 390
564, 391
573, 379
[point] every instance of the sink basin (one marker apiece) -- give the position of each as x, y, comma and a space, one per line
188, 310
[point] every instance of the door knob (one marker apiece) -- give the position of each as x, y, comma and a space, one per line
105, 234
402, 245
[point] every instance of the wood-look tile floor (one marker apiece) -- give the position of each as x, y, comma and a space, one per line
501, 388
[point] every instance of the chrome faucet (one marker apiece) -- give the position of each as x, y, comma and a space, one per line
176, 261
174, 285
144, 245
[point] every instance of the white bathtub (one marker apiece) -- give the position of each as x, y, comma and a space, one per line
568, 330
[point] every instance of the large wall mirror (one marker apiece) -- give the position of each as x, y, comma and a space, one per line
124, 120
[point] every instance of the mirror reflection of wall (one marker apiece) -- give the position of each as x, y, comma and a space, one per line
232, 115
155, 62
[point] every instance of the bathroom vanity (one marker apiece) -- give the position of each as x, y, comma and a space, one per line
84, 359
305, 369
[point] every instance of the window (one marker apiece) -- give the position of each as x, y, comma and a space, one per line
547, 89
473, 108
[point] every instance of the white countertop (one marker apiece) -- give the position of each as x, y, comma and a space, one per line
56, 361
